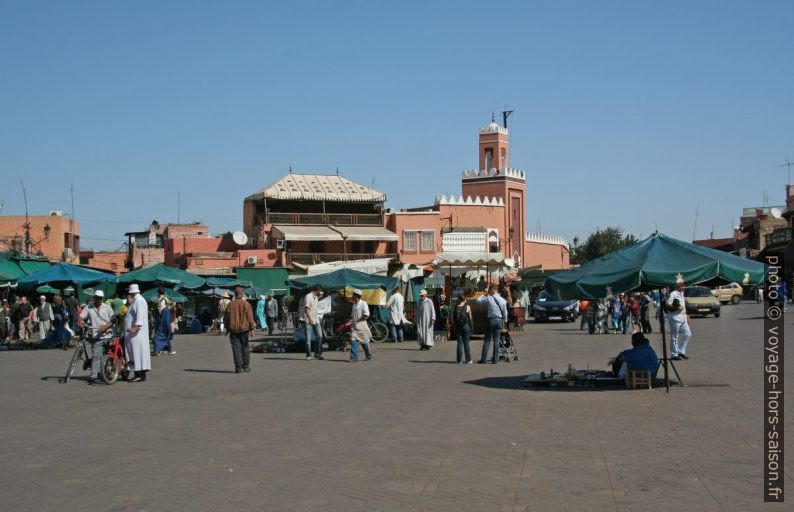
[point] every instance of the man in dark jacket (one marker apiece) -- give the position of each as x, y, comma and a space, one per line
239, 322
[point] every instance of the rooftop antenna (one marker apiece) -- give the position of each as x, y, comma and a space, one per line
788, 164
505, 114
764, 199
290, 169
695, 227
493, 116
712, 232
538, 228
337, 171
27, 224
71, 220
178, 207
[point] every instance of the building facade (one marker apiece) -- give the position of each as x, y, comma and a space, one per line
146, 248
493, 201
308, 219
55, 236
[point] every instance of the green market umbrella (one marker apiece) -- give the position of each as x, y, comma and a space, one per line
163, 275
62, 275
10, 271
342, 278
656, 262
228, 282
49, 289
346, 280
171, 294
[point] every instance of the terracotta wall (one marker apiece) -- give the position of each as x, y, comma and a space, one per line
105, 260
187, 231
397, 222
147, 257
550, 256
265, 258
462, 216
176, 247
53, 247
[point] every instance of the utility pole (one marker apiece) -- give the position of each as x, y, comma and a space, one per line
27, 222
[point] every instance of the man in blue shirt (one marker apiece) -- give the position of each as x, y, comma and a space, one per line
497, 318
640, 357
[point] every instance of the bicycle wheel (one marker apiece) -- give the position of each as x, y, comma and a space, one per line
76, 358
379, 332
109, 369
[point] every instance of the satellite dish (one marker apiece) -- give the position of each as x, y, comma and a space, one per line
240, 238
776, 213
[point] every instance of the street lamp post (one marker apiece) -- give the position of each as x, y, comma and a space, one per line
29, 242
576, 249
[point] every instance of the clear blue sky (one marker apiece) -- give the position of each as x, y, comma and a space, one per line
626, 113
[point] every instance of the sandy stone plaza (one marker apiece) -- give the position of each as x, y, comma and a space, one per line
407, 431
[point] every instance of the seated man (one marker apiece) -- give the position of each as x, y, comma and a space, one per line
640, 357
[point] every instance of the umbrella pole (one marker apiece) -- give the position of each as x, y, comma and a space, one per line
665, 360
664, 342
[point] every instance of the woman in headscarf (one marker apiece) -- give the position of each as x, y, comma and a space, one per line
425, 321
260, 312
162, 333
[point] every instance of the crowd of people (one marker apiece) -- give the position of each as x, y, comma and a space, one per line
55, 322
51, 321
619, 314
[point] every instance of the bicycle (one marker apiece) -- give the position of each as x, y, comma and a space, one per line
379, 330
114, 362
80, 354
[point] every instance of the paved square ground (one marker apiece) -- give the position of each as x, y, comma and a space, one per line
408, 431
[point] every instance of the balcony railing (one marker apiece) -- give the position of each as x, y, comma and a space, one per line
341, 219
313, 258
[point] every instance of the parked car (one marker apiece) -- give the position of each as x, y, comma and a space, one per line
548, 306
700, 301
728, 293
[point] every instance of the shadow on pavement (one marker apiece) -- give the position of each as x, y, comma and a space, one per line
435, 362
207, 371
304, 359
514, 382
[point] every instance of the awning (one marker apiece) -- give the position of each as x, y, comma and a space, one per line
469, 259
370, 266
306, 233
366, 233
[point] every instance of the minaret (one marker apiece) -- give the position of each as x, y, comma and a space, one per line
494, 147
495, 178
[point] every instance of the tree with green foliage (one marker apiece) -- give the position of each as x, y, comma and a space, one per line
601, 242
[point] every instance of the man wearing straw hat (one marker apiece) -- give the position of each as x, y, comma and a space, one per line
136, 335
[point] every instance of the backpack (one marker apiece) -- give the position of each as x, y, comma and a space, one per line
460, 317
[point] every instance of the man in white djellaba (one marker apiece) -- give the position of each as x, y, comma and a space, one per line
136, 335
425, 321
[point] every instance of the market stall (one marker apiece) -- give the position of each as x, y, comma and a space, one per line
659, 261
